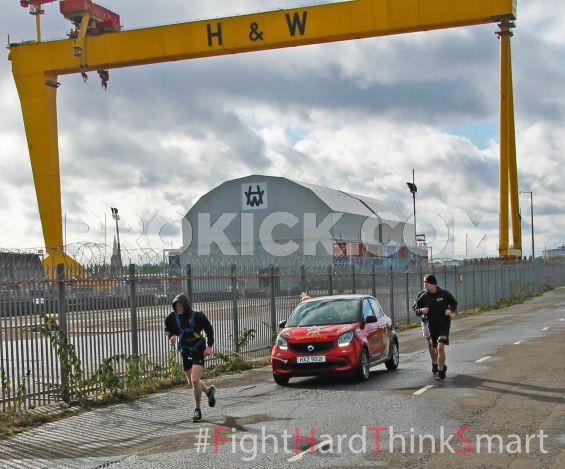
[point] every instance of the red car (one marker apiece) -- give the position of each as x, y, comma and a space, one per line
332, 335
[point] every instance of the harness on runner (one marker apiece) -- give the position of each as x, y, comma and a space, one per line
194, 340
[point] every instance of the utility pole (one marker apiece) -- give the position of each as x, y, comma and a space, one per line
413, 189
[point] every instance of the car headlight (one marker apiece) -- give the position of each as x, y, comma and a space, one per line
345, 339
282, 343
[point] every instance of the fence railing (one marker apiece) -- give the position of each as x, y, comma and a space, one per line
123, 315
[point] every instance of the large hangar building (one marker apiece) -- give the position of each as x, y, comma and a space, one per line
262, 215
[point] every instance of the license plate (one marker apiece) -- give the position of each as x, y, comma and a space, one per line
311, 359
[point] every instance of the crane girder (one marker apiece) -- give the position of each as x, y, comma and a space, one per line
260, 31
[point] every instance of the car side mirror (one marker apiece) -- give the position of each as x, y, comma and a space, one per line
370, 318
282, 324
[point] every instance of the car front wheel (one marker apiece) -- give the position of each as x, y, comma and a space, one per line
280, 380
394, 360
363, 372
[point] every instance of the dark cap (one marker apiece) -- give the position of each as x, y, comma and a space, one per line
431, 279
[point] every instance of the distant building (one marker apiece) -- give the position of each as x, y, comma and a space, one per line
20, 266
262, 215
556, 252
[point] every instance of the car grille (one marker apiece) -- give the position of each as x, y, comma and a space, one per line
319, 347
307, 369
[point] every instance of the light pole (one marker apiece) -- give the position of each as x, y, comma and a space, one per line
531, 218
116, 217
413, 189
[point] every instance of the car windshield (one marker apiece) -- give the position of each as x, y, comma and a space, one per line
325, 312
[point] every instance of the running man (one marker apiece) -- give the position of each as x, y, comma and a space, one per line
185, 328
437, 305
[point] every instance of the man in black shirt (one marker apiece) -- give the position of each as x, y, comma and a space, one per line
185, 328
437, 305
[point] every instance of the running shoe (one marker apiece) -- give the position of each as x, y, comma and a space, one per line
211, 395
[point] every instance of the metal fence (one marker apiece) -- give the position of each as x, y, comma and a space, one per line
123, 314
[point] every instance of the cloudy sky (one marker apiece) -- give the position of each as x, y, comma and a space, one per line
357, 116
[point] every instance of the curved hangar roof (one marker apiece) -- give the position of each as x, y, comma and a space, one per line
346, 202
336, 201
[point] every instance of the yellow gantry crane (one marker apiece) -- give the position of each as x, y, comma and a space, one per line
97, 43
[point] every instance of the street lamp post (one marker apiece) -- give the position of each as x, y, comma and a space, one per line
531, 218
413, 189
116, 217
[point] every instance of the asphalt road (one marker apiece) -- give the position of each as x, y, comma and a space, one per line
503, 405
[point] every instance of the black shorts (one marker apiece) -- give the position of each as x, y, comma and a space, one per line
440, 334
195, 358
444, 339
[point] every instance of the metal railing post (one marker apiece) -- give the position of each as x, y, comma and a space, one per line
234, 294
392, 295
188, 284
455, 282
133, 311
408, 297
474, 286
444, 276
65, 391
273, 302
